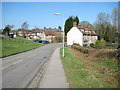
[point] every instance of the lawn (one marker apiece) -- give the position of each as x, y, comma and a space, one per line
12, 46
83, 71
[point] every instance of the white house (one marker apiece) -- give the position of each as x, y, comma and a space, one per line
82, 35
74, 36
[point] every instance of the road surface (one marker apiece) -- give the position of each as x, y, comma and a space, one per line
18, 70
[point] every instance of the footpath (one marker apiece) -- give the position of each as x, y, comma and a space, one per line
54, 75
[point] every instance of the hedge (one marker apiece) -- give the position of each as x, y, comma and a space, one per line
110, 53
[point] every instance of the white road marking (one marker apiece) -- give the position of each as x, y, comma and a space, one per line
11, 64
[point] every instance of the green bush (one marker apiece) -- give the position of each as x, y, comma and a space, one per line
76, 44
100, 44
92, 45
85, 45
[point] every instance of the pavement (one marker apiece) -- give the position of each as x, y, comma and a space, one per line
18, 70
54, 75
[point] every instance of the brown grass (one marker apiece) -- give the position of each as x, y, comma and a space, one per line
100, 53
104, 74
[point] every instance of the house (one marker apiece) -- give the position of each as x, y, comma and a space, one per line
50, 35
22, 32
38, 33
82, 35
13, 33
32, 34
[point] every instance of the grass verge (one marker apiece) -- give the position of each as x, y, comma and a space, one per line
85, 72
13, 46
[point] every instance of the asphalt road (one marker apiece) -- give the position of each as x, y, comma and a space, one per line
18, 70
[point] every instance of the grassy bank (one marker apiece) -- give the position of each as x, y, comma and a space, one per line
84, 71
13, 46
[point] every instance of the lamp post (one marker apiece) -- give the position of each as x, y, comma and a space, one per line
63, 34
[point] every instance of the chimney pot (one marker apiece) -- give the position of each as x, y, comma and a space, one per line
74, 24
89, 26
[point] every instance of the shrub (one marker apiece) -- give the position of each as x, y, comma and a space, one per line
100, 44
109, 53
76, 44
92, 45
85, 45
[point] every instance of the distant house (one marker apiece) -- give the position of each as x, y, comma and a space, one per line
47, 34
22, 32
13, 33
82, 35
50, 35
32, 34
38, 33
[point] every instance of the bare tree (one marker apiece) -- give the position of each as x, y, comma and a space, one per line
25, 25
114, 18
102, 24
35, 27
7, 29
60, 28
103, 18
10, 26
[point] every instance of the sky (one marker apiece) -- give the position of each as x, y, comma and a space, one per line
41, 14
60, 0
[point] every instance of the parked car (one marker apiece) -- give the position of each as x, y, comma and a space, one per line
39, 41
45, 42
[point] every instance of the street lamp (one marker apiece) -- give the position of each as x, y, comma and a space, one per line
63, 33
57, 14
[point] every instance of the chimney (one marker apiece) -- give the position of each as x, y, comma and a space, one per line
79, 25
74, 24
89, 27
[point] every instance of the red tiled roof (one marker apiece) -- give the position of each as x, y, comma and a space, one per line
50, 33
87, 30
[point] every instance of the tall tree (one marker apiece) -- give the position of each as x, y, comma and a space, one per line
7, 29
59, 28
114, 17
76, 19
69, 23
115, 22
107, 35
102, 24
113, 35
25, 25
